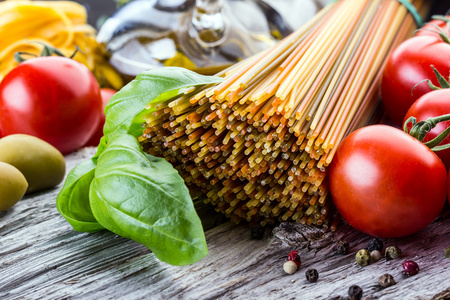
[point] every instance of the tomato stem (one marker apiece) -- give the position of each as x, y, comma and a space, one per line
442, 81
47, 50
444, 36
420, 129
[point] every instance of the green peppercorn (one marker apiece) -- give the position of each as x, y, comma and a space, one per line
447, 252
392, 252
342, 247
312, 275
355, 292
386, 280
362, 257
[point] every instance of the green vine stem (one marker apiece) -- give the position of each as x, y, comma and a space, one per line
441, 79
444, 36
420, 129
46, 51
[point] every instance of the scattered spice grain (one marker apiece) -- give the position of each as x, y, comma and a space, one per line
290, 267
411, 268
312, 275
355, 292
342, 247
392, 252
362, 257
386, 280
375, 244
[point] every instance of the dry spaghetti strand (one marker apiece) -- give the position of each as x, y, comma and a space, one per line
258, 144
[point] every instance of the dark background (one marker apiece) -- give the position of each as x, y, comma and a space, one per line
98, 9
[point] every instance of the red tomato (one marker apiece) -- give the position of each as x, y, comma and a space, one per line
95, 138
53, 98
409, 64
386, 183
430, 29
433, 104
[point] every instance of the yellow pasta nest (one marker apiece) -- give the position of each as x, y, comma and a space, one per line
258, 144
24, 25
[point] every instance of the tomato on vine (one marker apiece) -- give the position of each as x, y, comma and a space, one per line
386, 183
434, 104
411, 63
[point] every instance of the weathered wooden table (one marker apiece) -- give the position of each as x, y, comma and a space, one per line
41, 257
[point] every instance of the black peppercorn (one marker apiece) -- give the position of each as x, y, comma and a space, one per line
312, 275
386, 280
392, 252
375, 244
355, 292
257, 232
342, 247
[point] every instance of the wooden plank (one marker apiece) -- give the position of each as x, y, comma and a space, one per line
41, 257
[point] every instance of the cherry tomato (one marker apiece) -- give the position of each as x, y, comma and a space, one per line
409, 64
433, 104
386, 183
53, 98
430, 28
95, 138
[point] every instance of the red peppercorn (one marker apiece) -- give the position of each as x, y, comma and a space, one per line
293, 255
411, 268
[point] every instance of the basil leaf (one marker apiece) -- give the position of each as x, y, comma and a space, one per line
168, 224
72, 201
143, 198
125, 109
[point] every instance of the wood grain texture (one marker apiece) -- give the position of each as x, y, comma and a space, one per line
41, 257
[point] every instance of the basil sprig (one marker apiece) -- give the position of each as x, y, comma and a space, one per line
129, 192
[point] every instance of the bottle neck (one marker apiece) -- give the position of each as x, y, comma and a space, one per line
208, 24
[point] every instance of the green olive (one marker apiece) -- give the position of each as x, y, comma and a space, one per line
42, 164
12, 186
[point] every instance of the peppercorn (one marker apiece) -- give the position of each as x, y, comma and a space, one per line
392, 252
411, 267
375, 244
362, 257
290, 267
312, 275
257, 232
342, 247
293, 255
386, 280
447, 252
375, 255
355, 292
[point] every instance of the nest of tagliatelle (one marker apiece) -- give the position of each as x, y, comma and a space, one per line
258, 144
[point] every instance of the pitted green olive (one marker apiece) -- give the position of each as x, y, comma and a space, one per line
12, 186
42, 164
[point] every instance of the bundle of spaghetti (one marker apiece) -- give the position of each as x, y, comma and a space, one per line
25, 26
258, 144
